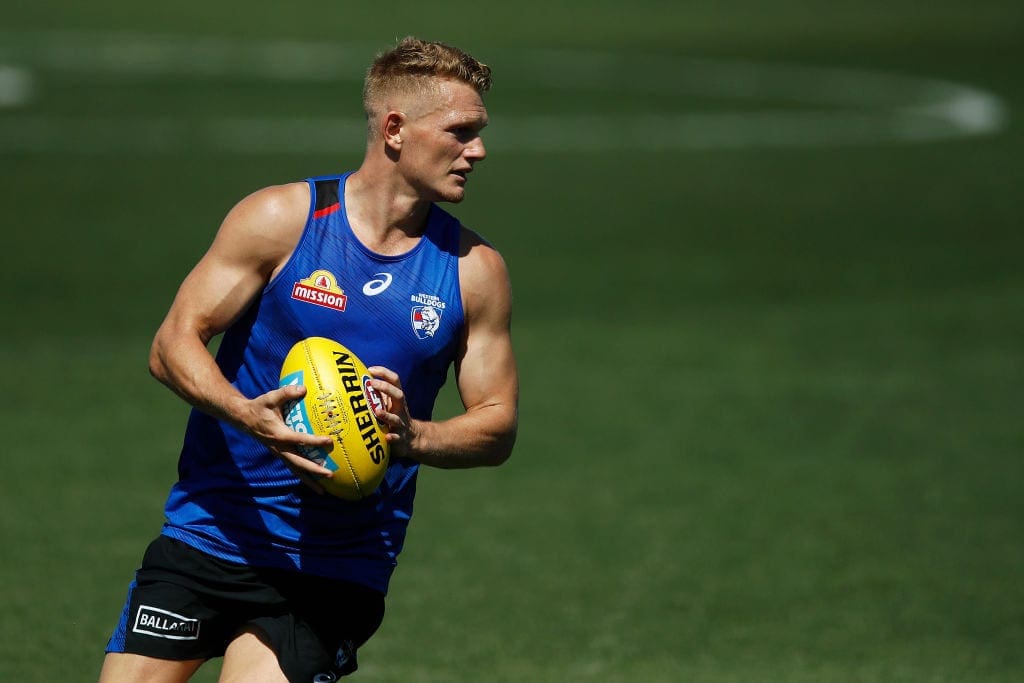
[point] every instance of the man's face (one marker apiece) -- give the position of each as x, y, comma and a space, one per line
441, 142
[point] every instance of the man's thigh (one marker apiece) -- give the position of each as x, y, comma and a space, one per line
119, 667
250, 659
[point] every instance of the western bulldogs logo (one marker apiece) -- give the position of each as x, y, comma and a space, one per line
425, 321
426, 317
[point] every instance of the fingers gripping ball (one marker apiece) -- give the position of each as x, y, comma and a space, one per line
339, 403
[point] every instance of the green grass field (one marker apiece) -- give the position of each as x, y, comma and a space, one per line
769, 317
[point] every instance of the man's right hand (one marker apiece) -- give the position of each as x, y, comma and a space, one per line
265, 421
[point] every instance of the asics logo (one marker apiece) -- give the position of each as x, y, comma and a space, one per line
377, 285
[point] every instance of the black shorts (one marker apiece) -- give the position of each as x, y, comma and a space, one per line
185, 604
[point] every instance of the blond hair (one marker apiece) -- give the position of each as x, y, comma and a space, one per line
414, 66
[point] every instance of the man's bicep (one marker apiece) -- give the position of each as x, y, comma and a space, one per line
214, 294
487, 373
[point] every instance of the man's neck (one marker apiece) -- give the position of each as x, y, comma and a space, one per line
384, 212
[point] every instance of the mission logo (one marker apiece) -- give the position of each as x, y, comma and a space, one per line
320, 288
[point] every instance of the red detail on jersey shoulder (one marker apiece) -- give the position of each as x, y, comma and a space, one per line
327, 210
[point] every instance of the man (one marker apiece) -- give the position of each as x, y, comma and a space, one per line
254, 564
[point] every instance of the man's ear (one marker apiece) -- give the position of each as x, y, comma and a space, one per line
392, 129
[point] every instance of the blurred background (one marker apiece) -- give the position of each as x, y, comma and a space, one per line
769, 313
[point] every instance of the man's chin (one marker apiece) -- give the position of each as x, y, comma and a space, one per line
453, 195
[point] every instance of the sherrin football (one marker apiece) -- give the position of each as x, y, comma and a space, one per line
338, 403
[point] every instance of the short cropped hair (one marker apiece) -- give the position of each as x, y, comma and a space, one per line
410, 67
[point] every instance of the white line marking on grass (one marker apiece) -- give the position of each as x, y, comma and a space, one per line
809, 106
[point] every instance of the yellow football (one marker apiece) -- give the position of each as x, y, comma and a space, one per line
338, 403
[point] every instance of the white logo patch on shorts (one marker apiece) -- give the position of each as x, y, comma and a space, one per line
152, 621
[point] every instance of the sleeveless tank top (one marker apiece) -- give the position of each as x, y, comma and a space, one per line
236, 500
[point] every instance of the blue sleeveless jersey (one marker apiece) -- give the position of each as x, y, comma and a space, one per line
236, 500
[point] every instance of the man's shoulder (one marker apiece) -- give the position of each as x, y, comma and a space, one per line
481, 267
471, 242
265, 225
279, 200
